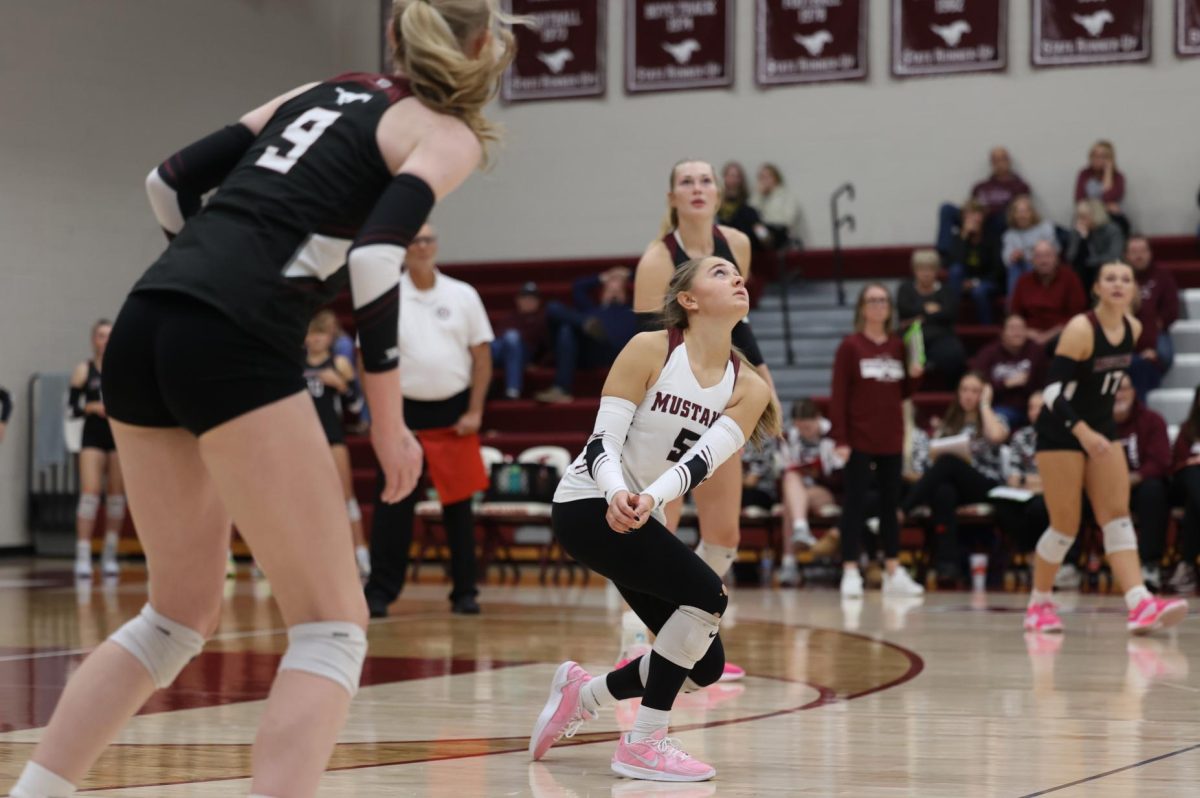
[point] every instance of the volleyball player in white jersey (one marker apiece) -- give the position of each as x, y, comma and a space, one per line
676, 405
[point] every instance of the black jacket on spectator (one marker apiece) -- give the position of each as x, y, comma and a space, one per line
910, 304
980, 258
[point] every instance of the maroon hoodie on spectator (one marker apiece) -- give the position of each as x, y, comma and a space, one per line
1186, 447
1147, 447
995, 194
998, 365
1159, 308
870, 381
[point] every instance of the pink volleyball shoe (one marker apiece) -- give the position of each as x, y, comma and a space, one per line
1156, 613
732, 673
563, 714
658, 758
1042, 617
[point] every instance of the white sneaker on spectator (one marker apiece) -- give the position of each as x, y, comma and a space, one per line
901, 584
852, 583
789, 574
1183, 579
802, 535
1068, 578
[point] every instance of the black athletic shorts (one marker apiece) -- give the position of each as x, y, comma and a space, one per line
97, 434
174, 361
1053, 437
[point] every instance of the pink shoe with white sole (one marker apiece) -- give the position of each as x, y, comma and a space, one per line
1156, 613
658, 758
563, 714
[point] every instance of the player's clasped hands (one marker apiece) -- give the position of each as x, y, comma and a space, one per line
628, 511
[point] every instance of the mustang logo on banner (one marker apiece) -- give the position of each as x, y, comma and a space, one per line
563, 56
1067, 32
936, 37
808, 41
678, 44
1187, 27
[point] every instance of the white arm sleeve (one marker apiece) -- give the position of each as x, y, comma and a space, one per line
722, 441
164, 201
603, 451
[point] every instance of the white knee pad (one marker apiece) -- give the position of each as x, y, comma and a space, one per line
163, 646
352, 510
1052, 546
686, 636
718, 558
89, 506
114, 507
333, 649
1119, 536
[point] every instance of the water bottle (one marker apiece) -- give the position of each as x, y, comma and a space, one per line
766, 567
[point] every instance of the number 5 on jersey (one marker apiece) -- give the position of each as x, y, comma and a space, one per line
302, 133
683, 442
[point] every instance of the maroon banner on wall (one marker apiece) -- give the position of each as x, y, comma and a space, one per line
678, 44
942, 37
1067, 32
563, 56
810, 41
1187, 27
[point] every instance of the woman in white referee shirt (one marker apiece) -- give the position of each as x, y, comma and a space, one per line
445, 371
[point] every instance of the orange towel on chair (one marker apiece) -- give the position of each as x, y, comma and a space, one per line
454, 463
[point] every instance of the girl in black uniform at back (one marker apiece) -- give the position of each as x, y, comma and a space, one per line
1075, 452
99, 466
204, 379
330, 378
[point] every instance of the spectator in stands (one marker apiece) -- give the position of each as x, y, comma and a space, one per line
592, 333
736, 211
1185, 464
966, 449
775, 205
1101, 180
445, 370
522, 340
1025, 229
1158, 310
935, 306
994, 194
1048, 296
1024, 522
1093, 241
760, 475
806, 485
1013, 366
6, 407
974, 261
1143, 433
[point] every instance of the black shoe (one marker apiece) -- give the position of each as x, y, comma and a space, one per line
378, 608
467, 605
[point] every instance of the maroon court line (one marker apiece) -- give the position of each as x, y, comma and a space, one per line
1107, 773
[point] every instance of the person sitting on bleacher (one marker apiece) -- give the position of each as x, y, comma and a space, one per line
1159, 309
1025, 228
1013, 365
1185, 465
760, 475
1102, 181
973, 261
994, 194
522, 339
775, 205
591, 334
1024, 522
811, 470
1143, 434
966, 448
1094, 240
928, 301
1048, 296
736, 210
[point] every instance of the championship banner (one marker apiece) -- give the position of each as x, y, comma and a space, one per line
1187, 27
810, 41
563, 56
942, 37
1067, 32
678, 44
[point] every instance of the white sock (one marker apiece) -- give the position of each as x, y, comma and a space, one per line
83, 549
1040, 597
800, 525
648, 722
1136, 596
38, 782
595, 695
110, 541
788, 560
718, 558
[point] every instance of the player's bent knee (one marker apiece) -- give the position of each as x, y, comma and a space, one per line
334, 650
162, 645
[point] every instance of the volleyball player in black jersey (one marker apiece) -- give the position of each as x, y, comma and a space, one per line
204, 384
99, 465
690, 231
330, 380
1076, 453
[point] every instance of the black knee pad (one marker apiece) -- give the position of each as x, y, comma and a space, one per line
708, 669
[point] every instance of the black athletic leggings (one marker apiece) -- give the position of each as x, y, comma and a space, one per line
1187, 482
858, 478
657, 574
948, 484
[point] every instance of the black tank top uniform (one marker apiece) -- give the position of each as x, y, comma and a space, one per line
327, 401
97, 434
743, 336
1092, 391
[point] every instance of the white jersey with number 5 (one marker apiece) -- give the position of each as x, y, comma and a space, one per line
672, 416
